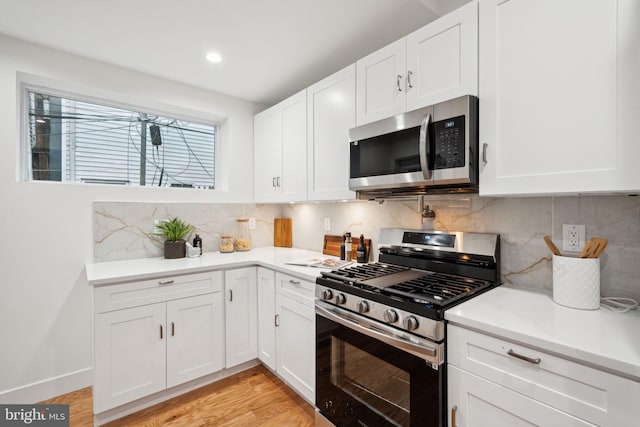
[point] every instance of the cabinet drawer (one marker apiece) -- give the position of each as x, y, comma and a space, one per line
125, 295
593, 395
297, 289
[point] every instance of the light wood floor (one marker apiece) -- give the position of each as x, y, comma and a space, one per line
254, 397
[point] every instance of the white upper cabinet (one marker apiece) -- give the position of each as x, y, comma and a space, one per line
380, 83
559, 96
331, 112
280, 151
433, 64
442, 59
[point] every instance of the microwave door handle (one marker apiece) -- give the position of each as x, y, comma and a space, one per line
425, 146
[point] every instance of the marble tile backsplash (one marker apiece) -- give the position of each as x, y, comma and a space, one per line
124, 230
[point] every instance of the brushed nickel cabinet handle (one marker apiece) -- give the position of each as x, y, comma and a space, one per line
484, 152
535, 361
165, 282
230, 295
398, 78
173, 329
294, 282
276, 320
161, 334
409, 74
454, 409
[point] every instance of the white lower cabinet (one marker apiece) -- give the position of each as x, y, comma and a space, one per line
476, 402
267, 317
296, 345
241, 325
195, 337
497, 382
287, 329
145, 346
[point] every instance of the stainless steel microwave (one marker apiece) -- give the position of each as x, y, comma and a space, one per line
429, 150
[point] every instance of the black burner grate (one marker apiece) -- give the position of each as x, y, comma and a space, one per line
365, 271
438, 288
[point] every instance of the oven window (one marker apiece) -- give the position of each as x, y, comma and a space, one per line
388, 391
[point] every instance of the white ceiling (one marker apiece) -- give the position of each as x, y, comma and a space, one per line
270, 48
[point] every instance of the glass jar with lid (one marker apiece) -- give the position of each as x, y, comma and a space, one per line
243, 239
226, 243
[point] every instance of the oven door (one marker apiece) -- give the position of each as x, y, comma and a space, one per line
368, 374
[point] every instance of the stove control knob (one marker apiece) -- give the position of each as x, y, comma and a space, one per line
411, 323
363, 307
327, 294
390, 316
341, 299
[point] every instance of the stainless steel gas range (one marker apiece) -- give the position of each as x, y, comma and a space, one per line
380, 331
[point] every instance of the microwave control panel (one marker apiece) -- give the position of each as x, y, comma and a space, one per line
449, 143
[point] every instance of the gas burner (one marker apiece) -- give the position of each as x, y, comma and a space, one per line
437, 288
360, 273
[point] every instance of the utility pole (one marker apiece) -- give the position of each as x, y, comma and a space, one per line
143, 149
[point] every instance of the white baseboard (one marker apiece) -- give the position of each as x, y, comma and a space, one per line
47, 389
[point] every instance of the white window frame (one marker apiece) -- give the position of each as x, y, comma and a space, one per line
29, 82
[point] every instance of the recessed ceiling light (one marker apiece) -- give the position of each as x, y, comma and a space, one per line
213, 57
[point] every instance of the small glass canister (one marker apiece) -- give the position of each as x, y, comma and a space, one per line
243, 240
226, 243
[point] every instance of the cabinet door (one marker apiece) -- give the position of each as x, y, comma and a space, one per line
477, 402
380, 83
266, 317
293, 180
195, 337
442, 59
296, 345
267, 154
548, 96
129, 355
331, 109
240, 316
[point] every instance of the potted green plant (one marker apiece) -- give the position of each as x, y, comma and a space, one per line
174, 231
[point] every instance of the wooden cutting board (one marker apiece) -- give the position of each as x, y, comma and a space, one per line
282, 232
332, 244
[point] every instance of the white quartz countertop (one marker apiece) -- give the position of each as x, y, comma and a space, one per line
149, 268
600, 337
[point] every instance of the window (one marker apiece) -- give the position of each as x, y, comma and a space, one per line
71, 140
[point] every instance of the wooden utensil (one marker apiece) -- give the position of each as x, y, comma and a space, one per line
552, 247
586, 249
601, 244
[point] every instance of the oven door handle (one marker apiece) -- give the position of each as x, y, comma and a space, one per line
384, 333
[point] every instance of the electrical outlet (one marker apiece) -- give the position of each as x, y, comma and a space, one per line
327, 224
252, 223
573, 237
